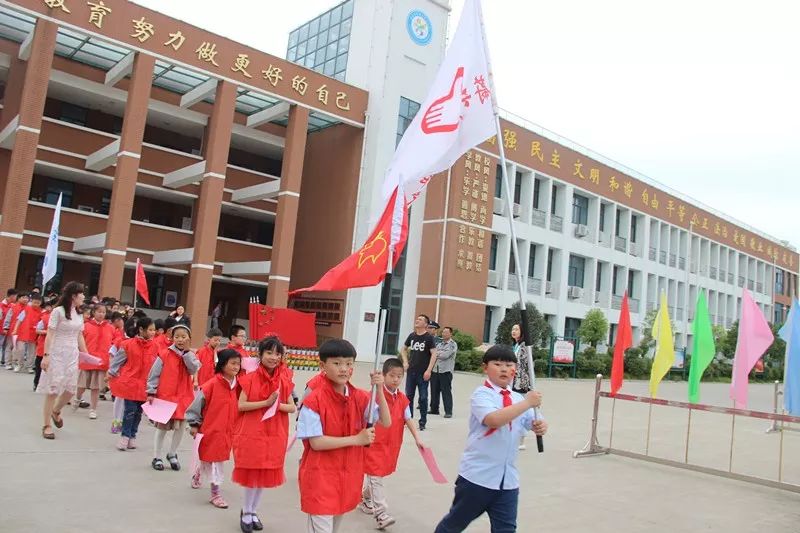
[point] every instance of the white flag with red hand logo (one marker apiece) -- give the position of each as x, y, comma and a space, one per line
456, 116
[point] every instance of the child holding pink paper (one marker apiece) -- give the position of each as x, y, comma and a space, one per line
259, 446
380, 459
128, 377
212, 414
172, 379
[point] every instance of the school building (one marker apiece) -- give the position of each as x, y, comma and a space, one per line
231, 173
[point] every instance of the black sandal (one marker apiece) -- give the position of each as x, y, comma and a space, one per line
173, 461
48, 436
158, 464
257, 525
58, 422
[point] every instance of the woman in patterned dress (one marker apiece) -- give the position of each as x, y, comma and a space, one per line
62, 345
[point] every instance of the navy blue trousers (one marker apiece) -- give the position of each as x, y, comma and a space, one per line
472, 500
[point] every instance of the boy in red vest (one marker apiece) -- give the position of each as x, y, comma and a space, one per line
334, 430
10, 324
25, 332
41, 334
237, 339
380, 459
488, 481
207, 356
5, 304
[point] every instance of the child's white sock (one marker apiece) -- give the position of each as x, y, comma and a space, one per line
256, 499
177, 435
119, 408
158, 446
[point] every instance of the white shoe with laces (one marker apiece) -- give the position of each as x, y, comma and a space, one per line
92, 415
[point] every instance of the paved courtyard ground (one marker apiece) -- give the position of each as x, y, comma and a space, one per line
81, 483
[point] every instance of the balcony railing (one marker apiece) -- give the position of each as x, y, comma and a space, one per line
679, 313
723, 276
556, 223
539, 218
662, 257
682, 263
673, 260
712, 273
741, 281
751, 284
730, 278
512, 284
616, 302
534, 286
633, 303
620, 244
652, 254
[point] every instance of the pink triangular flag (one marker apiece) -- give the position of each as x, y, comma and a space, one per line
755, 336
269, 413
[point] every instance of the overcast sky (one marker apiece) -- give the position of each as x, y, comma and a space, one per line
699, 95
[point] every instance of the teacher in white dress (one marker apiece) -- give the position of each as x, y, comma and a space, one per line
62, 345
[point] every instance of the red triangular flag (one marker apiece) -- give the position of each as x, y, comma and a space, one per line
141, 283
624, 341
367, 266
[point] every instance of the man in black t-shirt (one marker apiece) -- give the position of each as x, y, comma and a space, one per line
419, 356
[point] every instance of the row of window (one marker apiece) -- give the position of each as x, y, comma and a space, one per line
322, 44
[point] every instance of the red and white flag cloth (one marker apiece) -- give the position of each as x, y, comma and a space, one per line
457, 115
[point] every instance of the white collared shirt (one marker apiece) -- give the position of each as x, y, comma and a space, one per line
490, 460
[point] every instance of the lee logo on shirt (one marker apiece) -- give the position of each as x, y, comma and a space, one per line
417, 346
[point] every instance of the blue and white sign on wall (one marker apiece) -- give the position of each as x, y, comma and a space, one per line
419, 27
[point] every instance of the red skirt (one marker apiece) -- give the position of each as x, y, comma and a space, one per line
259, 478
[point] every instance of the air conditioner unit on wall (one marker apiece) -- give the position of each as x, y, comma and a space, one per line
494, 278
581, 230
575, 293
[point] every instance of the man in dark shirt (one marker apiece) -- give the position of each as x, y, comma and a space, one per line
419, 356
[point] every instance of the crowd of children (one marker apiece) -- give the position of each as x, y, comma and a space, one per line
351, 441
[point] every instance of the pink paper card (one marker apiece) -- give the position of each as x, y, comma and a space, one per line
273, 408
430, 462
160, 410
250, 364
291, 442
89, 359
196, 453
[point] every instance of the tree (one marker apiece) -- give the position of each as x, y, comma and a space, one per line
727, 344
538, 327
593, 328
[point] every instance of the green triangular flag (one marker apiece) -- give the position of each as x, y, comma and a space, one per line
703, 349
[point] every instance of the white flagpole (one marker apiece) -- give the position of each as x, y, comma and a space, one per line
512, 232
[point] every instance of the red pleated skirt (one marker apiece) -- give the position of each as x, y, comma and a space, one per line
259, 478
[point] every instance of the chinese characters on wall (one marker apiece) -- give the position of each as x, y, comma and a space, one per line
474, 211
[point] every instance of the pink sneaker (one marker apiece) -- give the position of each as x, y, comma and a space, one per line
131, 444
123, 443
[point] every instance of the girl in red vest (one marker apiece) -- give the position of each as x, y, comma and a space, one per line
41, 334
259, 447
207, 356
128, 377
118, 337
25, 333
212, 414
380, 459
333, 428
171, 380
98, 334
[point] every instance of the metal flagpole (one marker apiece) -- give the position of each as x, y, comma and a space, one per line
512, 232
383, 319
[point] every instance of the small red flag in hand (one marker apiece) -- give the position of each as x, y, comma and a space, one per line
141, 283
624, 341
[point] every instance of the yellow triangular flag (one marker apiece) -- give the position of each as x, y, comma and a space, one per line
665, 347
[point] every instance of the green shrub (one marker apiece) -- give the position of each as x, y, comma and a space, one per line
465, 341
469, 360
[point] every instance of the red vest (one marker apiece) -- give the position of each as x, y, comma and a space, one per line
330, 481
4, 306
15, 310
98, 338
206, 357
219, 415
258, 444
45, 319
131, 384
162, 342
316, 381
118, 338
175, 383
26, 331
380, 459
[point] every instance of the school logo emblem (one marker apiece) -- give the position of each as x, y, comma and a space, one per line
373, 250
419, 27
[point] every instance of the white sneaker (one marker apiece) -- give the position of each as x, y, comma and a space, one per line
9, 366
366, 507
30, 371
92, 415
16, 369
522, 447
384, 521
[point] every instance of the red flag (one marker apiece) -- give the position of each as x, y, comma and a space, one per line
624, 341
367, 266
141, 283
294, 328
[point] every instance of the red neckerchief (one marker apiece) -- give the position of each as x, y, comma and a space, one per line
492, 430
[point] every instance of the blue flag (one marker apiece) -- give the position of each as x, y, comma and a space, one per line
790, 332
